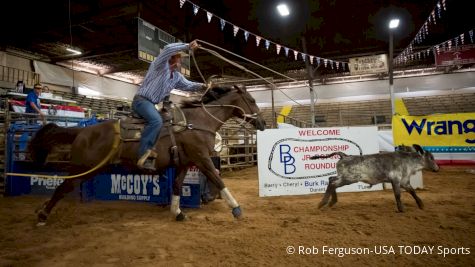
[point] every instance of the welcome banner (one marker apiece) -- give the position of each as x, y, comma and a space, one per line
453, 133
284, 155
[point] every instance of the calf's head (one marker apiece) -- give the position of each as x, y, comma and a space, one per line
427, 159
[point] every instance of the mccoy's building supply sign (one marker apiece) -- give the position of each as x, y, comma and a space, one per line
284, 164
454, 133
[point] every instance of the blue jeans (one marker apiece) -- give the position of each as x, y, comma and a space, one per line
147, 110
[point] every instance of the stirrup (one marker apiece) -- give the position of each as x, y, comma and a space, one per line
149, 155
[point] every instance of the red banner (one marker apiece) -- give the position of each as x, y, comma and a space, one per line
456, 56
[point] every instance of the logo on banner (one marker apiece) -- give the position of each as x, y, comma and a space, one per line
437, 133
287, 159
448, 127
134, 186
284, 152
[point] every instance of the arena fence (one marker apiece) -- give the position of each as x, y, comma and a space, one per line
239, 146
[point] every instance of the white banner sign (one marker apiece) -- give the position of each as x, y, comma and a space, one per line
285, 167
369, 64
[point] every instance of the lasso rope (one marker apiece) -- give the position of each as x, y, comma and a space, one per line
237, 65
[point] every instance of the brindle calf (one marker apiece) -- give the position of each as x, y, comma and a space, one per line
395, 168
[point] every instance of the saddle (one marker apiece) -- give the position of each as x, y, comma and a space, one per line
174, 121
131, 126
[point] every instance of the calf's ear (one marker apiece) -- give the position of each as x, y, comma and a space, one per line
418, 149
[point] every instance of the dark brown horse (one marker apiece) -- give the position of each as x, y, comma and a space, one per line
92, 145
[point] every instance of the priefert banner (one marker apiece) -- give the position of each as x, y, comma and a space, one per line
284, 165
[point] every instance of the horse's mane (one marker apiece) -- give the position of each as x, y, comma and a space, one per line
213, 94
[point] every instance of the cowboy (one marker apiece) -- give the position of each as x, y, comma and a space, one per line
163, 75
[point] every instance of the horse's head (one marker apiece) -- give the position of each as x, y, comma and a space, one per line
251, 111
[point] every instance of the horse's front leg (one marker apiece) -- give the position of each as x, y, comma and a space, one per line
208, 169
177, 184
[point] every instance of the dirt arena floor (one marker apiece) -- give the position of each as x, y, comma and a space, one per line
140, 234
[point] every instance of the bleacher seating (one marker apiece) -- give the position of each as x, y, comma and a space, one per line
365, 112
455, 103
345, 113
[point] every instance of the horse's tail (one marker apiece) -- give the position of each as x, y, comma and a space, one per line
49, 136
340, 154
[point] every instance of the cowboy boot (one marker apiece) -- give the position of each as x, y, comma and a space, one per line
147, 161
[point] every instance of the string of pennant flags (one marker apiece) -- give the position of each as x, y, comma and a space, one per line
436, 14
422, 33
338, 65
448, 45
406, 55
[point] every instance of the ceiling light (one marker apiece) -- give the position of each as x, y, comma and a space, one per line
283, 10
77, 52
393, 23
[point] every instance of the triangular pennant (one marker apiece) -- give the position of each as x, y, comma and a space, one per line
286, 49
304, 56
462, 38
443, 4
318, 61
470, 33
182, 2
246, 35
331, 63
209, 15
223, 23
337, 65
433, 16
235, 30
195, 9
296, 54
438, 10
450, 44
267, 43
456, 41
325, 62
311, 59
258, 40
278, 48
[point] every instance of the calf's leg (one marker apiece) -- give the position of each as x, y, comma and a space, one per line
397, 193
411, 191
330, 189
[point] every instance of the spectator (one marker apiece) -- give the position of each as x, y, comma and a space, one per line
19, 87
32, 103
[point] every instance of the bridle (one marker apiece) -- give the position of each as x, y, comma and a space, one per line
245, 116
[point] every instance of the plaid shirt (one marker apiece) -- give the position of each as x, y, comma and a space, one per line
160, 79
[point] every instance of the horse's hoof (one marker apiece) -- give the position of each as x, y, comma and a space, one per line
237, 213
39, 224
321, 204
42, 216
180, 217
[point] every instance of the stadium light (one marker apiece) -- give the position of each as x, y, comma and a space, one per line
283, 10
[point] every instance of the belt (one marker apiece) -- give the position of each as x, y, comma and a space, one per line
141, 97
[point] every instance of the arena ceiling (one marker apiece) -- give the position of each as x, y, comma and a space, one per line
106, 30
